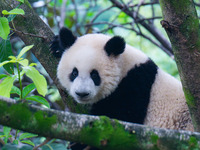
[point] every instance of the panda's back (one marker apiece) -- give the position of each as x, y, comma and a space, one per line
168, 108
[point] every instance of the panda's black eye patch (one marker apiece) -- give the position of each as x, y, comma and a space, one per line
73, 74
95, 77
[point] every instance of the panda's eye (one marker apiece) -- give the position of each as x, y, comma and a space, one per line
74, 74
95, 77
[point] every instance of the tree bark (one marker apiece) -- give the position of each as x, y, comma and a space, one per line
100, 132
182, 26
30, 24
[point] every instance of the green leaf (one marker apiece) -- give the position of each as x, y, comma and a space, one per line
15, 90
33, 64
5, 52
11, 17
6, 85
4, 28
16, 11
22, 1
28, 142
4, 63
24, 62
12, 58
39, 99
27, 90
26, 135
2, 76
2, 136
6, 131
16, 142
39, 81
24, 50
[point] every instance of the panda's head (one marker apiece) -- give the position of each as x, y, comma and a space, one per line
90, 66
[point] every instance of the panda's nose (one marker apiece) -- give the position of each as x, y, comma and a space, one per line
82, 94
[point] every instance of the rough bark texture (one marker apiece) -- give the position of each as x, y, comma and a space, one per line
182, 26
31, 23
100, 132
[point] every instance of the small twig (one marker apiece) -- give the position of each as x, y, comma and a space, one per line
55, 14
86, 13
144, 4
138, 8
30, 34
87, 148
43, 143
63, 13
153, 13
148, 19
77, 14
16, 133
149, 27
112, 25
2, 142
97, 15
107, 23
197, 4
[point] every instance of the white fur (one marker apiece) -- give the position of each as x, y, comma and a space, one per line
168, 106
83, 85
87, 54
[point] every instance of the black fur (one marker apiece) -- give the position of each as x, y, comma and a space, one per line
74, 74
95, 77
67, 38
115, 46
130, 100
55, 47
64, 40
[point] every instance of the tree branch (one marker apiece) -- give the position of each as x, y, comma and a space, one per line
149, 27
112, 25
100, 132
63, 13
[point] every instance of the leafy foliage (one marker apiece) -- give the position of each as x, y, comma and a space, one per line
7, 87
38, 99
5, 52
38, 80
4, 28
6, 135
27, 90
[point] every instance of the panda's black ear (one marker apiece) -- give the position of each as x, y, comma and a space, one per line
66, 38
115, 46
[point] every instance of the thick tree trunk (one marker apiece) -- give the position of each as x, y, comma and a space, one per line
100, 132
182, 26
30, 24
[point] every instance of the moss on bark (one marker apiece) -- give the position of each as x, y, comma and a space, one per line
101, 132
182, 26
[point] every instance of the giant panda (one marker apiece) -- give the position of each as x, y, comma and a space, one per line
119, 81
